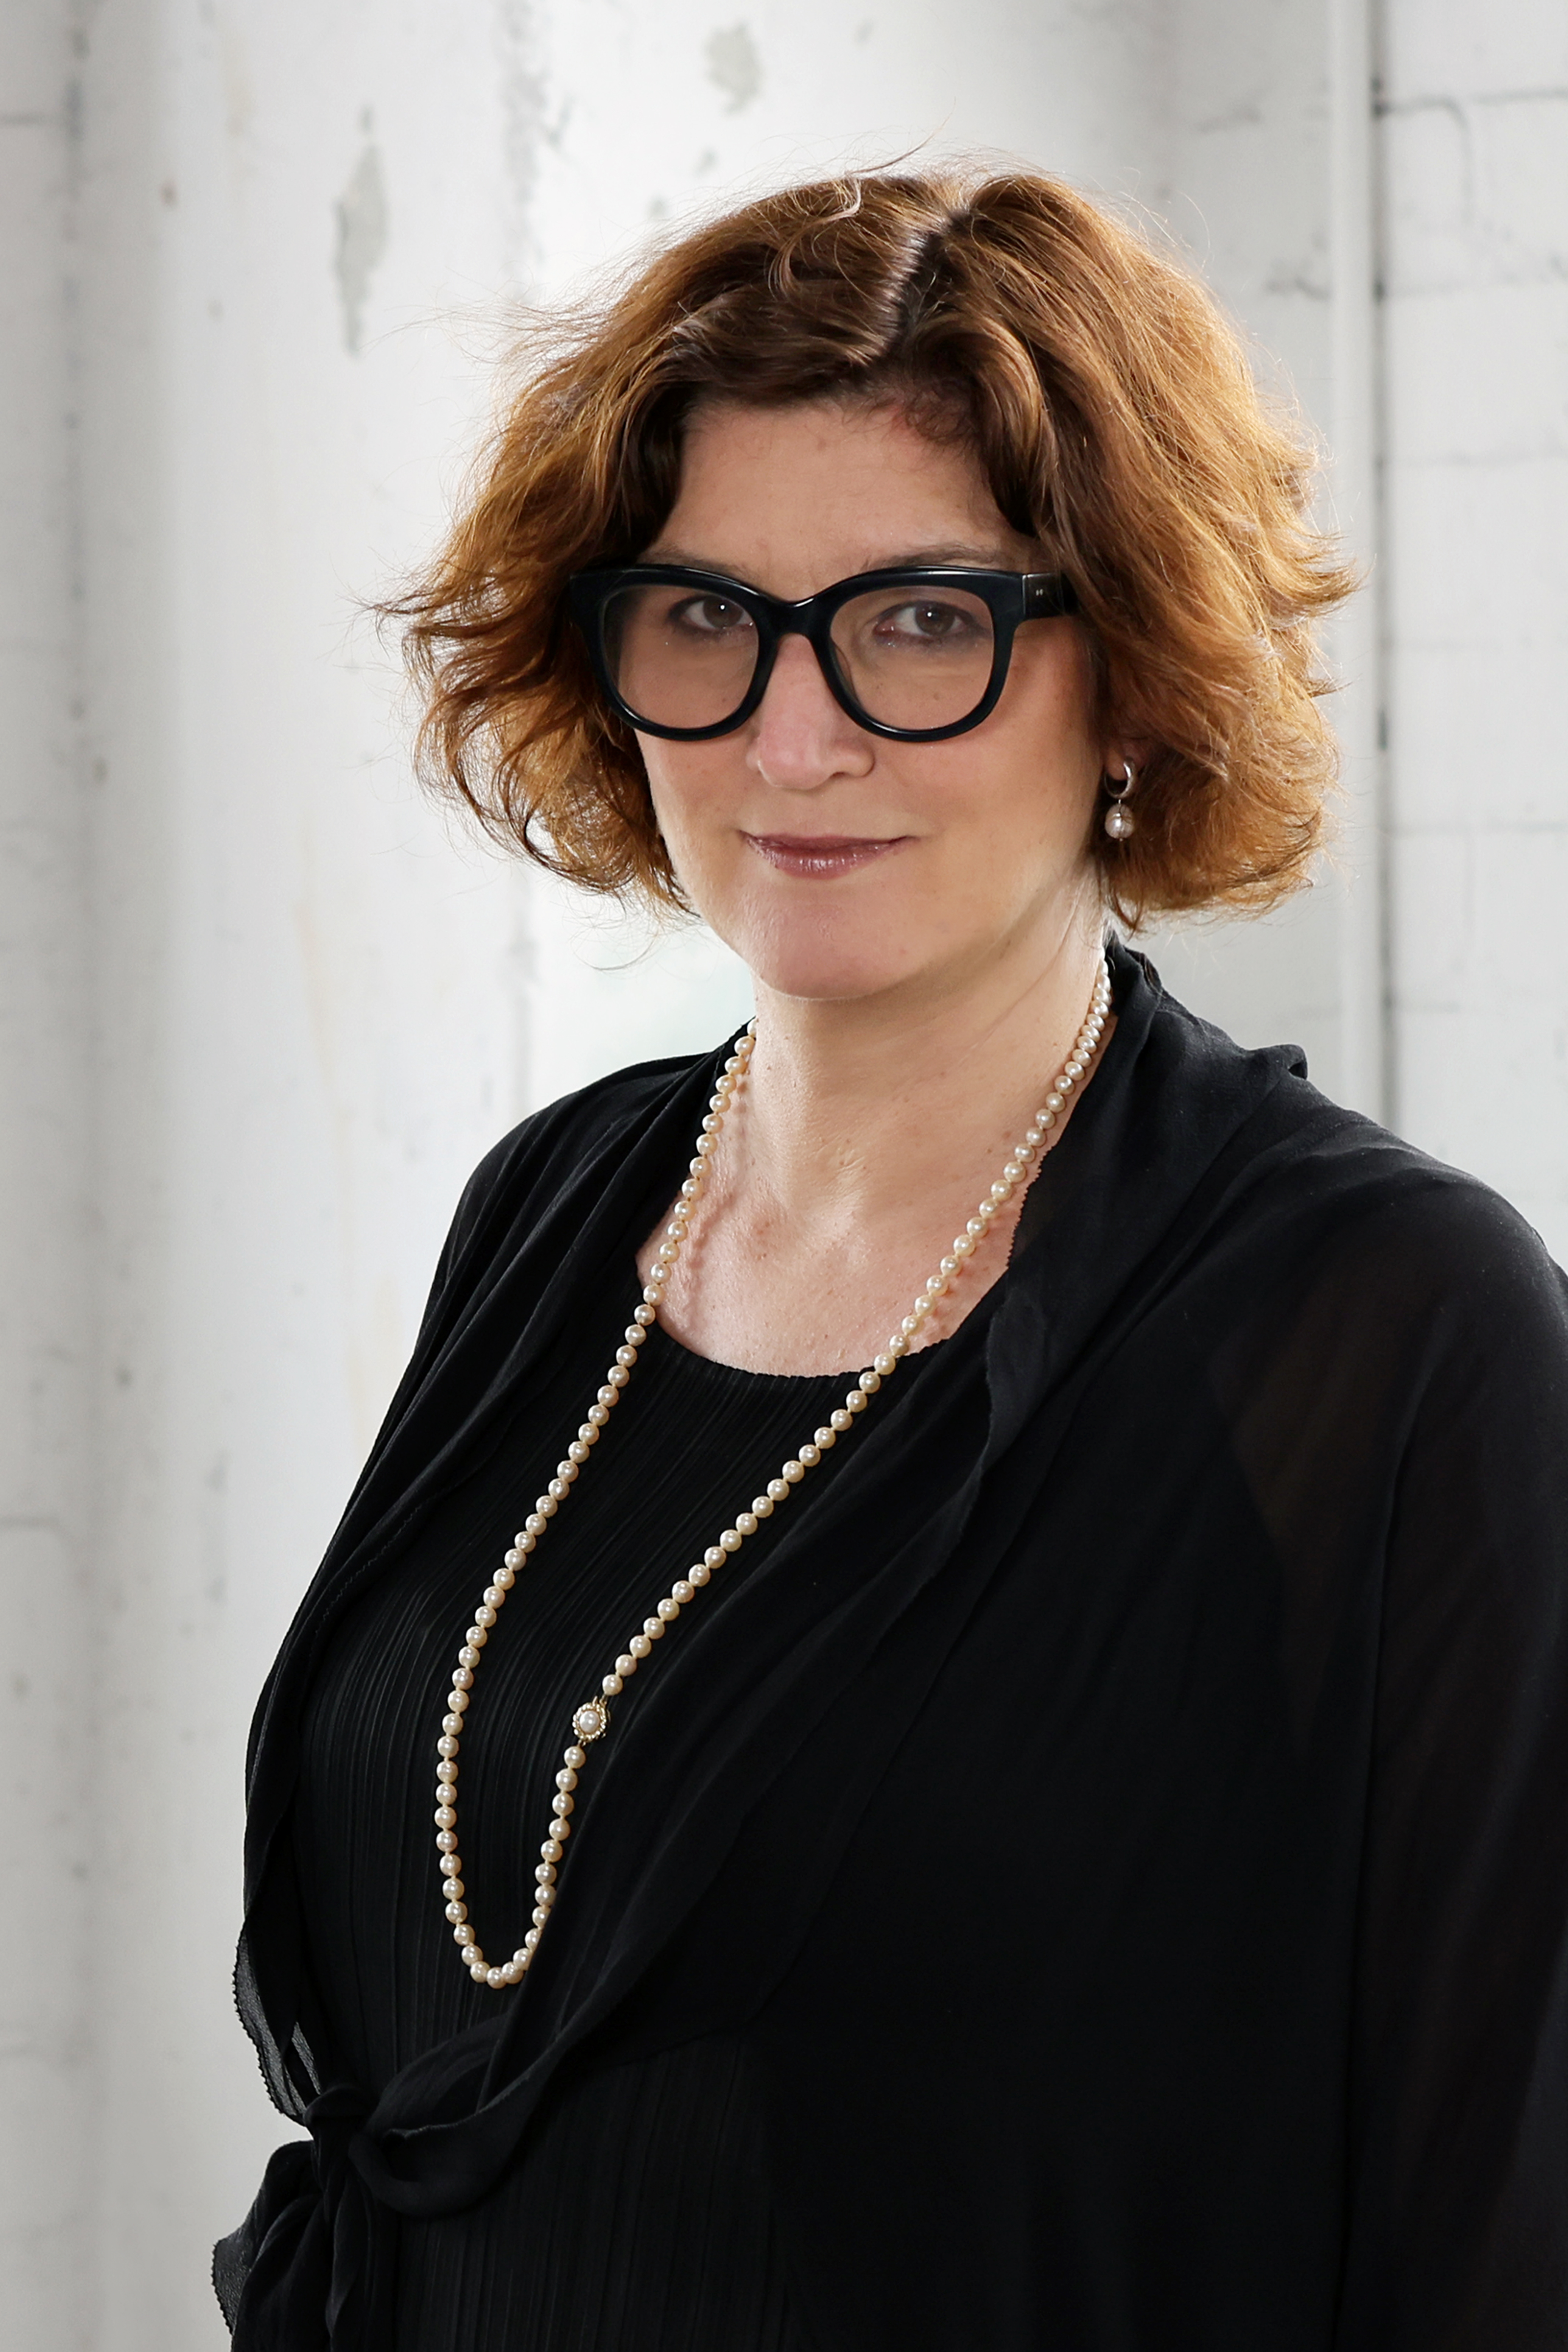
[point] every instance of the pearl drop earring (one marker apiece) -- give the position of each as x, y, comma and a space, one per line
1120, 821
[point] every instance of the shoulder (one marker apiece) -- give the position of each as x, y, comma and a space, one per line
1396, 1237
554, 1145
1314, 1198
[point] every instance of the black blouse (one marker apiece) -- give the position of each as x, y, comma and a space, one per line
639, 2214
1094, 1878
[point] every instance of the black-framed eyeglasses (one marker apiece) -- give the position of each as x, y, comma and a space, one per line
916, 653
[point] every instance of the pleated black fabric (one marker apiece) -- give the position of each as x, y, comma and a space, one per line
1095, 1877
644, 2189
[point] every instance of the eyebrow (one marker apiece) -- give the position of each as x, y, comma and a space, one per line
982, 558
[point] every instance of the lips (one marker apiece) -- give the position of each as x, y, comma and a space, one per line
821, 856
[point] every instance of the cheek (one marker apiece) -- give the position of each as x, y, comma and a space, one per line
693, 788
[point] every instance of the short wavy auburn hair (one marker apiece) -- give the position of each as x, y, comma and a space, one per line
1112, 410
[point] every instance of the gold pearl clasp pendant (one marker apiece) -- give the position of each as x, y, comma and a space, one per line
592, 1721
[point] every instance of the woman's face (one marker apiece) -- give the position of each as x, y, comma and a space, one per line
840, 866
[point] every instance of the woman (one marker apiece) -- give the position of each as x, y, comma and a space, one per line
1052, 1838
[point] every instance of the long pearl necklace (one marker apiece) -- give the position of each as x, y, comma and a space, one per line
592, 1720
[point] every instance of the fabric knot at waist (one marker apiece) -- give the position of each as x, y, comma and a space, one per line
304, 2271
310, 2269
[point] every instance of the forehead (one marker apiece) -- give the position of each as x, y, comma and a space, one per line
793, 499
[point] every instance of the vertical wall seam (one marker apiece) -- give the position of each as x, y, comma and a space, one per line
1368, 1063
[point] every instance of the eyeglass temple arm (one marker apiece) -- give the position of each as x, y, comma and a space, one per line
1047, 594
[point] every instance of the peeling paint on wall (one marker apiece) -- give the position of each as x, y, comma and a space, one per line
361, 240
734, 66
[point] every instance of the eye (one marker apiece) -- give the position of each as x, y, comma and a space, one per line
927, 621
709, 616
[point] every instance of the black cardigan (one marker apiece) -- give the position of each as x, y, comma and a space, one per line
1123, 1818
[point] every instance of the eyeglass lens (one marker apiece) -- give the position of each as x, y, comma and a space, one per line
911, 656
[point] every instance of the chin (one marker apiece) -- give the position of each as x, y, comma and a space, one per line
822, 965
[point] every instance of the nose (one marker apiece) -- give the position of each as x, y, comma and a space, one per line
799, 737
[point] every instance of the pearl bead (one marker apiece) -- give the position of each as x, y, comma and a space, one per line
825, 1438
445, 1772
550, 1848
446, 1745
732, 1539
668, 1610
792, 1473
611, 1685
885, 1363
566, 1778
544, 1872
447, 1840
625, 1664
597, 1417
654, 1628
682, 1591
746, 1522
464, 1935
639, 1645
457, 1911
714, 1555
562, 1804
463, 1677
778, 1490
807, 1458
576, 1757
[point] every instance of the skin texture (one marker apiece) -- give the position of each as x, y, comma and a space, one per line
922, 919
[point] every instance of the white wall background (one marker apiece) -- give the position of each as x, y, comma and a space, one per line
260, 1010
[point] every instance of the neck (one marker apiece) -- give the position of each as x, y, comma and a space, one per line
856, 1108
